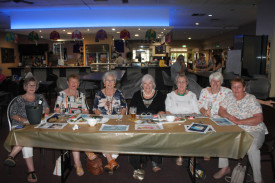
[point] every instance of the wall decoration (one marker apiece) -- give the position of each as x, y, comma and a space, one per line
7, 55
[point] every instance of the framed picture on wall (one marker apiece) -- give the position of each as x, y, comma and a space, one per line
160, 49
7, 55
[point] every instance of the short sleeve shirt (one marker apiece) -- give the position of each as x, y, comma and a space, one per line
215, 99
18, 107
243, 109
72, 104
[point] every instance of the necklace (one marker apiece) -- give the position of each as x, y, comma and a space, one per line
181, 94
146, 94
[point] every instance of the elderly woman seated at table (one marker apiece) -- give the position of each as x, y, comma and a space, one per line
72, 101
107, 101
19, 116
181, 101
245, 111
148, 101
211, 97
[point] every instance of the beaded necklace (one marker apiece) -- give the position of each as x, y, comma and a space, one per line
149, 94
181, 94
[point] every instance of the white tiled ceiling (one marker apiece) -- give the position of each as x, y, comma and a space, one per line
226, 14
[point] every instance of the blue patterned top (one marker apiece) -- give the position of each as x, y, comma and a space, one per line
107, 104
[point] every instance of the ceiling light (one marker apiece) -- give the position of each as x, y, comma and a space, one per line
69, 32
64, 30
118, 32
113, 29
138, 28
136, 35
197, 23
41, 36
210, 15
40, 30
162, 32
83, 38
88, 29
189, 38
164, 29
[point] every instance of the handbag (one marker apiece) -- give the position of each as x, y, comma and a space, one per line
57, 168
94, 166
237, 174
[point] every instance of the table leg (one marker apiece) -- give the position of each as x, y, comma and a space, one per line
191, 169
66, 166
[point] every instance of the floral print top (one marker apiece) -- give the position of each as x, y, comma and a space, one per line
106, 104
243, 109
215, 99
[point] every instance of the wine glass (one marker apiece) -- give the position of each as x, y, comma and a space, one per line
209, 107
118, 110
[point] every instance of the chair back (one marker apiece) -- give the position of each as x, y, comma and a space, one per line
259, 87
269, 120
167, 79
8, 112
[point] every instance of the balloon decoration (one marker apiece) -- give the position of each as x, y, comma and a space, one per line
76, 35
150, 34
54, 35
33, 36
10, 37
100, 35
125, 34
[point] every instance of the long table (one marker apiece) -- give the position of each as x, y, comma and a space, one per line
173, 140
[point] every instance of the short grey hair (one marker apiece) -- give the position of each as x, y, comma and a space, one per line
216, 76
107, 74
147, 77
181, 76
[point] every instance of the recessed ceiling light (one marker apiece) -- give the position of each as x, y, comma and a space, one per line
164, 29
210, 15
41, 36
64, 30
197, 23
158, 37
162, 32
88, 29
69, 32
113, 29
138, 28
189, 38
83, 38
40, 30
136, 35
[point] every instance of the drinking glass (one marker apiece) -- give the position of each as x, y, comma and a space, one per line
118, 112
133, 113
209, 107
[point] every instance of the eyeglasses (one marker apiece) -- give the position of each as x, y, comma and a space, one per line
110, 81
31, 86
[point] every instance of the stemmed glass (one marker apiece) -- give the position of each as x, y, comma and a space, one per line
209, 106
118, 112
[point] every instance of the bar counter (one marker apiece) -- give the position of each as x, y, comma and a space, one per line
61, 71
